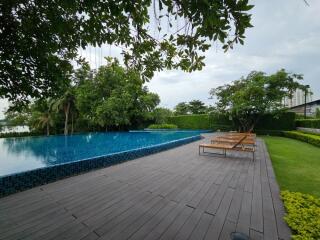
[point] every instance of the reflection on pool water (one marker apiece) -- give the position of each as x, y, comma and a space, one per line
27, 153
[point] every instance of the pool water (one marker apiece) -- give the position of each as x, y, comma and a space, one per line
28, 153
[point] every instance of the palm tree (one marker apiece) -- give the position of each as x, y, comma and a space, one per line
66, 103
45, 120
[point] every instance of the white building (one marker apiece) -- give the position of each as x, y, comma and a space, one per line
297, 99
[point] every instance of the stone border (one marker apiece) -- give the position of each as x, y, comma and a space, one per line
25, 180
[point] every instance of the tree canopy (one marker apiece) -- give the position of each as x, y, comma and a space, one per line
248, 98
192, 107
112, 97
40, 39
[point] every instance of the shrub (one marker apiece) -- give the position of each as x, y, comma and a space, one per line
307, 132
269, 132
308, 123
303, 215
163, 126
309, 138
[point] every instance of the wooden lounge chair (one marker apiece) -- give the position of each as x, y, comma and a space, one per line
235, 144
246, 141
240, 134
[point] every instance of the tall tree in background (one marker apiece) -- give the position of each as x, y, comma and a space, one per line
181, 108
40, 39
67, 104
41, 115
197, 107
248, 98
160, 115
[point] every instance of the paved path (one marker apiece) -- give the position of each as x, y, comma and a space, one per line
175, 194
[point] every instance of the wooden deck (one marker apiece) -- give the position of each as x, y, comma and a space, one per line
174, 194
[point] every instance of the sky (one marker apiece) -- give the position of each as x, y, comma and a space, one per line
286, 34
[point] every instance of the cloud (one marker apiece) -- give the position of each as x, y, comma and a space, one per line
286, 34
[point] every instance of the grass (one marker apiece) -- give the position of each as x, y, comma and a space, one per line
296, 164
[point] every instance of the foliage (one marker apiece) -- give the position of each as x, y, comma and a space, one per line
13, 118
318, 113
160, 115
279, 121
309, 132
197, 107
201, 121
269, 132
308, 123
115, 97
192, 107
110, 98
66, 103
247, 99
181, 108
296, 164
305, 137
41, 116
217, 121
19, 134
303, 215
40, 39
163, 126
301, 116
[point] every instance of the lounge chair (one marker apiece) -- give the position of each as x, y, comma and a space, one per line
237, 143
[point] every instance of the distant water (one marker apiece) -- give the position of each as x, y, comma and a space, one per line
15, 129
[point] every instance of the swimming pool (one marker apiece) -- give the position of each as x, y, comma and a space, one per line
31, 161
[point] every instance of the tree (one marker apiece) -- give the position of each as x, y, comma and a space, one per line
160, 115
197, 107
181, 108
14, 118
317, 112
40, 39
41, 115
114, 97
249, 98
67, 104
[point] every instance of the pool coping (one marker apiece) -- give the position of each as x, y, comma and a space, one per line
21, 181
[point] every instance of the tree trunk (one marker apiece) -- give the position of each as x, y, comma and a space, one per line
66, 113
48, 129
71, 124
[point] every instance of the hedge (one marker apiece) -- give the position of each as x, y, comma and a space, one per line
308, 123
201, 121
269, 132
162, 126
19, 134
309, 138
303, 215
285, 121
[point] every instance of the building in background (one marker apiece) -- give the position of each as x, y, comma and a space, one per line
311, 108
298, 98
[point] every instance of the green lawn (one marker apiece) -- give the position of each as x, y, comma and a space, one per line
296, 164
